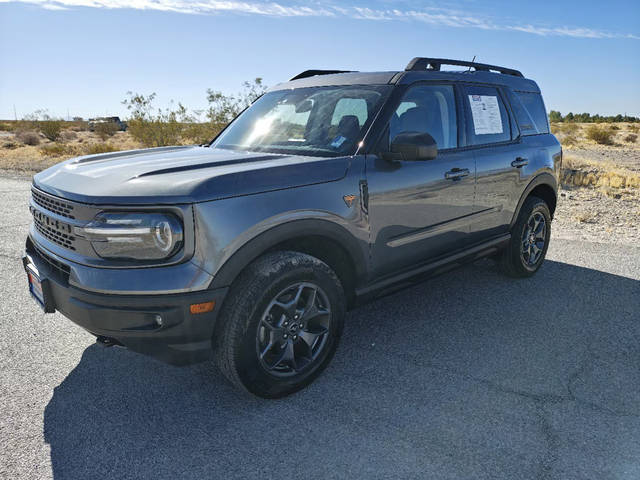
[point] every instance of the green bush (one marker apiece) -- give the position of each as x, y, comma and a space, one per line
603, 136
153, 129
106, 129
198, 133
51, 129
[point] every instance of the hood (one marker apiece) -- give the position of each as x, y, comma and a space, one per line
172, 175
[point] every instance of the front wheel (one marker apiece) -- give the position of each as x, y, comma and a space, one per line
529, 239
282, 323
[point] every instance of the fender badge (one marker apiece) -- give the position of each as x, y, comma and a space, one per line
348, 199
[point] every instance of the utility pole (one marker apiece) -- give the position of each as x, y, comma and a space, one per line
15, 115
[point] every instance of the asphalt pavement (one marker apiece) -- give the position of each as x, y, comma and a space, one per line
469, 375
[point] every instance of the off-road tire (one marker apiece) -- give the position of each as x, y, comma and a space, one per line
243, 310
511, 260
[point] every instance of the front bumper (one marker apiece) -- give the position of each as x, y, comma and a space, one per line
183, 338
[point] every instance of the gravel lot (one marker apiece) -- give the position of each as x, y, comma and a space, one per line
469, 375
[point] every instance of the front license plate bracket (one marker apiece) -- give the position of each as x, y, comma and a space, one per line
39, 287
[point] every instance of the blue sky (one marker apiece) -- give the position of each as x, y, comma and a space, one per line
82, 56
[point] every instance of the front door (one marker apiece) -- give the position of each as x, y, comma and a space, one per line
420, 210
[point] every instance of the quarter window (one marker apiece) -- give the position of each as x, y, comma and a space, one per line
534, 106
427, 109
487, 117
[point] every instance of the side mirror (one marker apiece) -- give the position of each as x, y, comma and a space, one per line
412, 146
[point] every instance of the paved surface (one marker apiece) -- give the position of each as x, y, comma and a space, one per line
469, 375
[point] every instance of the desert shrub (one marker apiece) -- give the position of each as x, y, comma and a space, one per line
571, 128
10, 145
151, 128
95, 148
28, 138
106, 129
631, 138
224, 108
600, 135
634, 128
57, 149
6, 127
79, 126
614, 127
68, 135
569, 140
51, 129
198, 133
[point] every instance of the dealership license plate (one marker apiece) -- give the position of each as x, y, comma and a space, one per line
37, 288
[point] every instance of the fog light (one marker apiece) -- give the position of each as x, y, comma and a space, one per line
202, 307
159, 320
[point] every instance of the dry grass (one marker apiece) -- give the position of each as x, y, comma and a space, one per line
579, 172
72, 143
95, 148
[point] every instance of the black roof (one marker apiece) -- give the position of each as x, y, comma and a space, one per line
420, 68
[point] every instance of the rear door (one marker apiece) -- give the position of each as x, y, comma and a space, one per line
419, 210
493, 138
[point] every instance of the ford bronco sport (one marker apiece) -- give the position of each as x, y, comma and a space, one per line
332, 189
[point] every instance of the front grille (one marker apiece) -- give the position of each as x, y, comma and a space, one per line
56, 206
53, 230
59, 267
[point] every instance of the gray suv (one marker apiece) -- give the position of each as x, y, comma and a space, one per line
332, 189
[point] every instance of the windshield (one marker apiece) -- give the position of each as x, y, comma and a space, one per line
316, 121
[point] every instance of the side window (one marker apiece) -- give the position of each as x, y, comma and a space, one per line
427, 109
487, 117
534, 106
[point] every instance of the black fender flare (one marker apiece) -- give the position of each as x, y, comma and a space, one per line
289, 231
544, 178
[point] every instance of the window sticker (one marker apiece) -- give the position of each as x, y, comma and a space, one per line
486, 114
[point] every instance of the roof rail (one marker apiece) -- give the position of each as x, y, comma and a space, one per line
311, 73
424, 63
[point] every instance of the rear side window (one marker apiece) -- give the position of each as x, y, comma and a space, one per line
534, 106
487, 117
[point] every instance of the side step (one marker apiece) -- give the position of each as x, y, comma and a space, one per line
398, 281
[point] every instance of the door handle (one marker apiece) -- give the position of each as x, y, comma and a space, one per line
456, 173
519, 162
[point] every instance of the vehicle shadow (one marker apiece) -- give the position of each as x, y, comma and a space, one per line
445, 379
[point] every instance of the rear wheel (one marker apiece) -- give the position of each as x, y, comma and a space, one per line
282, 323
529, 239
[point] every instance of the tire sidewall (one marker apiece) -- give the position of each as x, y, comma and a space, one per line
248, 367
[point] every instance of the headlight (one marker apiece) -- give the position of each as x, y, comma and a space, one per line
139, 236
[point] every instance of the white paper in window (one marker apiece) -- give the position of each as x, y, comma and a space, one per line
486, 114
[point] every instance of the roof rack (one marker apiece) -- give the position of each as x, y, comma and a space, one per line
311, 73
424, 63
